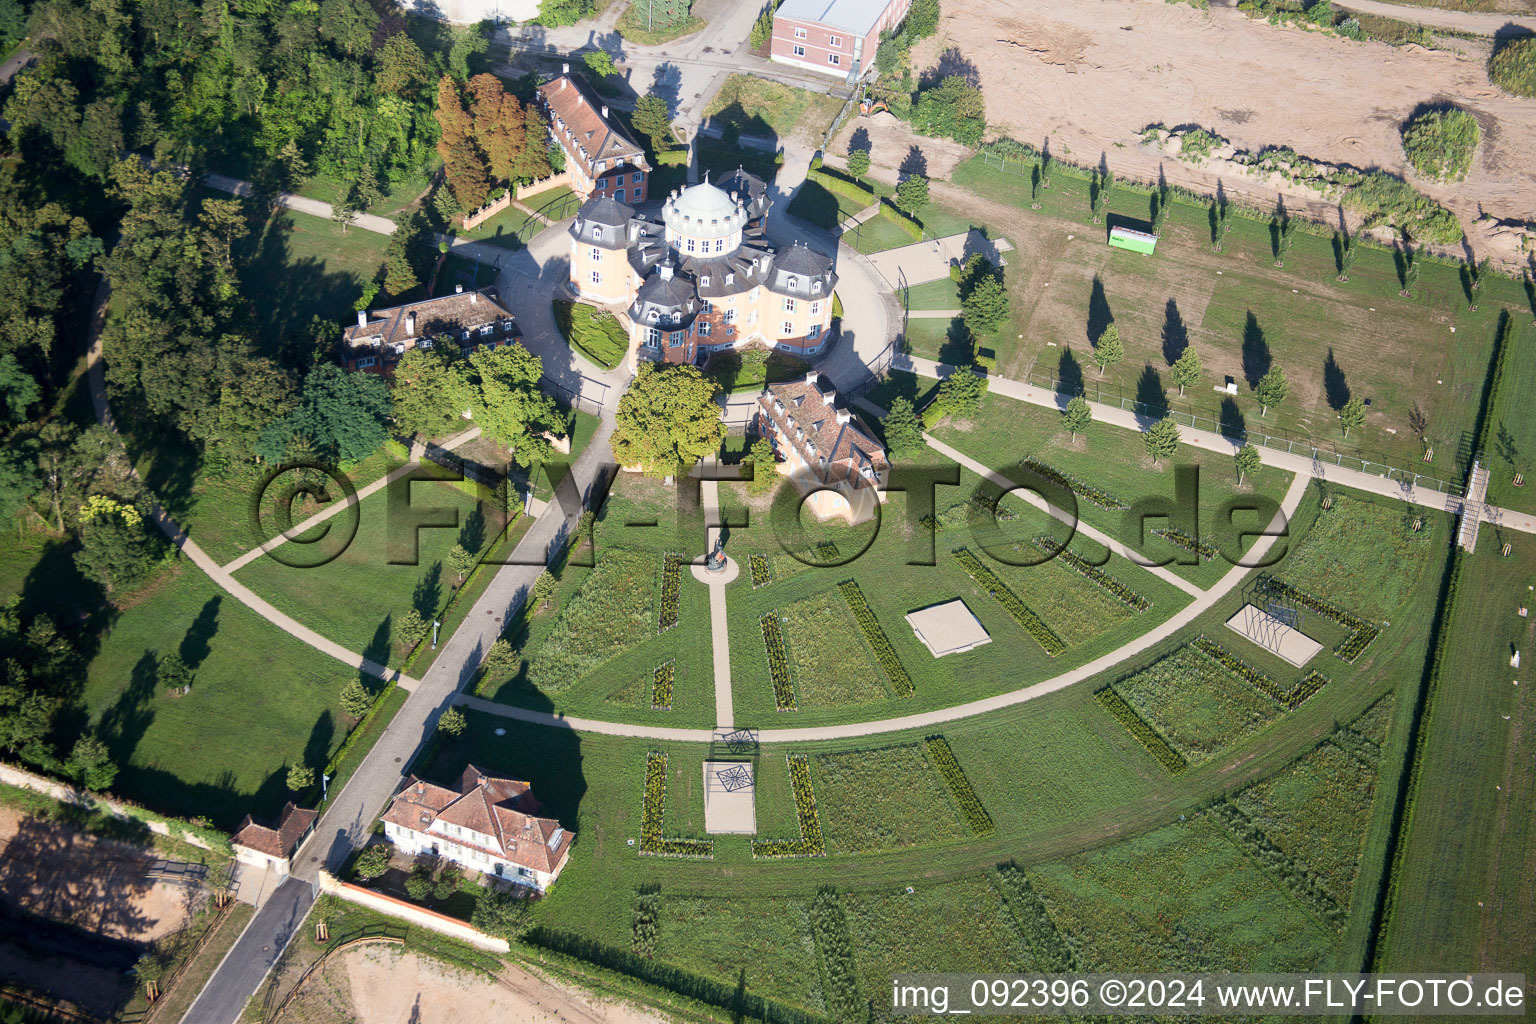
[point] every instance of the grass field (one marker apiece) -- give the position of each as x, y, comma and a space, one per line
769, 109
1198, 706
598, 335
1243, 314
1363, 556
510, 229
883, 799
1466, 878
1114, 460
1514, 430
768, 938
391, 565
261, 698
827, 655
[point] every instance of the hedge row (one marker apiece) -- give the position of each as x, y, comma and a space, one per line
652, 841
778, 662
901, 683
949, 770
671, 585
761, 575
834, 947
1051, 952
810, 843
1362, 633
661, 685
1171, 760
1124, 594
913, 229
1180, 539
842, 186
1093, 495
1031, 623
1300, 880
674, 979
1290, 699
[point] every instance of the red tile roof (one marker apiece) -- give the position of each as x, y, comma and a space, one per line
846, 445
582, 130
501, 808
279, 840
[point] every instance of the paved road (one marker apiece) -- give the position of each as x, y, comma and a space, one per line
346, 823
1480, 23
299, 204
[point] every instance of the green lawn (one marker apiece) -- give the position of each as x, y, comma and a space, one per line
940, 294
510, 229
261, 699
1242, 314
596, 334
1514, 430
1465, 878
760, 107
876, 235
828, 660
884, 799
750, 369
388, 567
1363, 556
394, 202
1198, 706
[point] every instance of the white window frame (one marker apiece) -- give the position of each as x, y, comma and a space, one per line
676, 339
730, 316
719, 245
597, 255
789, 328
637, 177
704, 329
835, 59
653, 337
704, 281
800, 32
834, 40
815, 309
797, 50
597, 278
689, 246
789, 305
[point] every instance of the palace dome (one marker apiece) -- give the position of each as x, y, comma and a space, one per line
704, 211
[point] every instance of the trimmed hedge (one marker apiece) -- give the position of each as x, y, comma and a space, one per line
778, 662
1362, 632
1290, 699
652, 842
1171, 760
949, 770
671, 584
810, 843
761, 574
645, 926
1124, 594
901, 682
842, 186
913, 229
1088, 492
1180, 539
1051, 952
1031, 623
661, 685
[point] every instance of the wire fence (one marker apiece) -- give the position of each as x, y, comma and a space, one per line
584, 398
1237, 428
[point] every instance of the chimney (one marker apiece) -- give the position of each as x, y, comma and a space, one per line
565, 69
605, 110
474, 297
829, 395
410, 324
811, 378
362, 318
843, 415
458, 289
666, 271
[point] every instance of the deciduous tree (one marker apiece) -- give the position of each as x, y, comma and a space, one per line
452, 723
912, 195
355, 699
1162, 439
667, 421
300, 777
763, 462
1186, 369
1271, 390
1247, 461
903, 427
1109, 349
985, 309
961, 392
1076, 416
858, 163
1352, 414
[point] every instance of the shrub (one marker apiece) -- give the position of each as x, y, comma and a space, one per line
1513, 66
661, 685
452, 723
448, 881
1288, 699
1092, 494
1171, 760
418, 885
1031, 623
652, 842
372, 862
761, 574
834, 945
885, 654
1440, 144
1051, 951
778, 662
810, 843
1362, 633
500, 912
671, 584
645, 927
300, 777
842, 186
1180, 539
1124, 594
949, 770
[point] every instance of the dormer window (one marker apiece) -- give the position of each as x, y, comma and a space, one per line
654, 314
816, 286
793, 283
704, 281
730, 278
597, 232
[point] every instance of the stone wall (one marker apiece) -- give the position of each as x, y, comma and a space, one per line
441, 923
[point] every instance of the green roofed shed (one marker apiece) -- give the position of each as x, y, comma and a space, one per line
1136, 241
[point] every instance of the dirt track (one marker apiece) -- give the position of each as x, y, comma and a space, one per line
1091, 74
379, 985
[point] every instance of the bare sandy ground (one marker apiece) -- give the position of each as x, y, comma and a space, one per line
55, 872
1089, 75
380, 985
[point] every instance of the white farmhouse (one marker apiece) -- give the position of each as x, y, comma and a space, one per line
487, 824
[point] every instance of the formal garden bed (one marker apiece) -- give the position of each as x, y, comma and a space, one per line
671, 584
661, 685
889, 798
830, 662
943, 760
653, 841
810, 843
989, 584
614, 608
885, 654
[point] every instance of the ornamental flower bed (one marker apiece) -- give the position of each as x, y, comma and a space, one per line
1031, 623
778, 662
885, 654
949, 770
1362, 633
671, 584
761, 574
1289, 699
661, 686
1086, 491
1124, 594
1180, 539
1171, 760
810, 843
652, 842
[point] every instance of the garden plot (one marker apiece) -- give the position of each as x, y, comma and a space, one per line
831, 664
886, 799
1260, 627
614, 609
1198, 706
1074, 607
769, 938
1362, 555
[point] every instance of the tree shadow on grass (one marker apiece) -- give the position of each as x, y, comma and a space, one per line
124, 724
1099, 314
1256, 356
1151, 396
472, 532
429, 591
1175, 333
1069, 373
959, 348
195, 646
1335, 384
1233, 426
